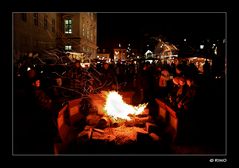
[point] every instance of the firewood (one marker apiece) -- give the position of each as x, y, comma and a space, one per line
90, 133
154, 137
130, 123
103, 123
98, 130
137, 121
145, 113
92, 119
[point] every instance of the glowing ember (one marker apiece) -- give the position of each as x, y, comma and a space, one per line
118, 109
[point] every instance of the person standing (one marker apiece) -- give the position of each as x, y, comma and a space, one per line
42, 124
163, 82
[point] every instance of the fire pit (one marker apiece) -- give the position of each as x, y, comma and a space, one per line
116, 121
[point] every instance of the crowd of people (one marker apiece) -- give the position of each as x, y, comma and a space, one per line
176, 85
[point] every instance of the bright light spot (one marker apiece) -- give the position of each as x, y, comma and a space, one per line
201, 46
118, 109
41, 71
85, 65
185, 39
98, 56
137, 56
148, 52
28, 68
215, 51
116, 52
119, 45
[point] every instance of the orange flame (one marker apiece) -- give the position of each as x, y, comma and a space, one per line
118, 109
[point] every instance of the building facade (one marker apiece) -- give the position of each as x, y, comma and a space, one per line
36, 32
103, 54
124, 54
120, 54
77, 32
33, 32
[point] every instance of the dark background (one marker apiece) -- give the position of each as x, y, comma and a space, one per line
134, 27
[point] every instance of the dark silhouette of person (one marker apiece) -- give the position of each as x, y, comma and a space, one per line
43, 128
147, 83
186, 111
206, 68
108, 77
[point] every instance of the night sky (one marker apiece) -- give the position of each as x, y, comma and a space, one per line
124, 28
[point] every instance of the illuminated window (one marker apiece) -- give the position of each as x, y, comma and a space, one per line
35, 19
53, 25
24, 17
68, 47
45, 22
68, 26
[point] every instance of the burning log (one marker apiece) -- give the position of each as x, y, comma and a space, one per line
154, 137
98, 130
86, 134
90, 132
145, 113
117, 121
92, 119
103, 123
137, 121
118, 109
119, 135
101, 135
